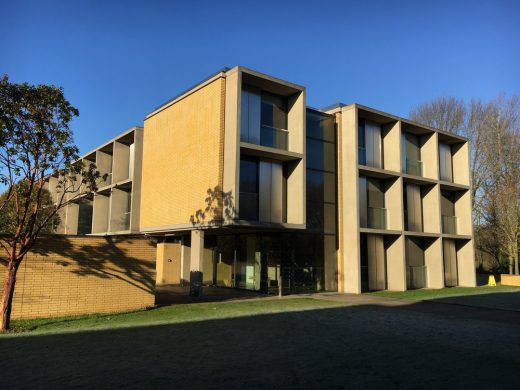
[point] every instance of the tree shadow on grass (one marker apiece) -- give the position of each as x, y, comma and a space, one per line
356, 346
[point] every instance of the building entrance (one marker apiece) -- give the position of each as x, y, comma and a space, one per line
265, 263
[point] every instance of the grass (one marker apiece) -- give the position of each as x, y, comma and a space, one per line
289, 343
173, 314
494, 297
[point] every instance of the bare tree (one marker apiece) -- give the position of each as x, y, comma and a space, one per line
502, 187
493, 132
446, 113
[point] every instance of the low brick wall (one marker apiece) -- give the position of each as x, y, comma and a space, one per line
510, 280
70, 275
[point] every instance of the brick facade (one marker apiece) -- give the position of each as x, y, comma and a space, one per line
65, 275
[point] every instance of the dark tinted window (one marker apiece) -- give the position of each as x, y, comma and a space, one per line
321, 155
248, 205
320, 126
249, 175
274, 111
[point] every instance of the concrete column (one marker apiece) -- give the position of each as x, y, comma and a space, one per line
466, 264
349, 271
394, 204
396, 264
231, 172
185, 262
434, 264
460, 156
430, 156
431, 211
197, 251
392, 146
463, 213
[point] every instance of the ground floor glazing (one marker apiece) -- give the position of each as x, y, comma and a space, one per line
268, 263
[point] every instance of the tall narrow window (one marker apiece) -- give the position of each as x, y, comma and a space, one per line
376, 213
274, 121
445, 162
449, 220
413, 207
362, 156
412, 155
373, 146
248, 202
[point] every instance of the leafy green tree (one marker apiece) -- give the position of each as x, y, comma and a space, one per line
35, 142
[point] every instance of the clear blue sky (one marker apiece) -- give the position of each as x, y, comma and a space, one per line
119, 60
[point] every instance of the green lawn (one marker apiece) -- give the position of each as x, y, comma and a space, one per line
497, 297
168, 315
289, 343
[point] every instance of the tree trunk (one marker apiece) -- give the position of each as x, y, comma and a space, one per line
515, 258
7, 295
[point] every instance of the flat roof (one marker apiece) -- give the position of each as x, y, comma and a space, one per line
405, 121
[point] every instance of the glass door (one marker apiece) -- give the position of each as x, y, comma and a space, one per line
249, 264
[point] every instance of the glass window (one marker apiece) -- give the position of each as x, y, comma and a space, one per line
321, 186
376, 195
85, 216
249, 175
248, 206
321, 217
447, 203
361, 133
321, 155
274, 111
321, 126
413, 150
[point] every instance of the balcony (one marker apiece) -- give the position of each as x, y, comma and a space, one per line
274, 138
362, 156
414, 167
449, 224
376, 218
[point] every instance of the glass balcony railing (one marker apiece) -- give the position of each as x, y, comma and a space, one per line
449, 224
248, 206
125, 220
414, 167
362, 156
416, 276
274, 138
376, 218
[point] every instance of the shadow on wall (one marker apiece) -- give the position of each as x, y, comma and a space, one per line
110, 259
220, 207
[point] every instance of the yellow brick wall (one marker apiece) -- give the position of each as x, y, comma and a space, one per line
64, 276
182, 157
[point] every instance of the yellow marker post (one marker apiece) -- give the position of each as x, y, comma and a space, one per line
492, 281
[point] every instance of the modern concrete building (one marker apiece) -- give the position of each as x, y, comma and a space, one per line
114, 207
242, 182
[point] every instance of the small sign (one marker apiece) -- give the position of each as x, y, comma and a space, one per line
492, 281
